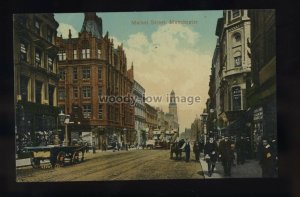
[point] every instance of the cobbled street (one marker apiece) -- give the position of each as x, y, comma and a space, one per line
119, 165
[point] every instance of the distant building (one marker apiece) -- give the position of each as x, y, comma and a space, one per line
35, 76
90, 69
139, 113
151, 120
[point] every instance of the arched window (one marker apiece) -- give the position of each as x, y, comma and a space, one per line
236, 37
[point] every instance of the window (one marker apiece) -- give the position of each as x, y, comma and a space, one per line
61, 94
86, 91
37, 27
50, 64
99, 53
24, 88
75, 92
62, 74
51, 94
237, 37
23, 51
86, 73
235, 13
75, 75
87, 110
236, 98
49, 35
38, 92
237, 61
100, 112
75, 54
100, 72
85, 53
38, 57
99, 91
62, 55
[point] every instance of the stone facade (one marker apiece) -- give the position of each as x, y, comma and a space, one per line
234, 66
35, 76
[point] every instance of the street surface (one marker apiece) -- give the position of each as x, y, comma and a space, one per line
119, 165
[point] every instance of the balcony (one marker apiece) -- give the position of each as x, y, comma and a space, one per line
236, 70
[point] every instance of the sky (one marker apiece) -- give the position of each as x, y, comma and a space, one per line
165, 56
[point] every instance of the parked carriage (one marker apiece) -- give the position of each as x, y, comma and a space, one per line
55, 155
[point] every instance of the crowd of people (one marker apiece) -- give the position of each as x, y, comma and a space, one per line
229, 151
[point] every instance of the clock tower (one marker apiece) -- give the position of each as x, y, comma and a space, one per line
173, 106
92, 23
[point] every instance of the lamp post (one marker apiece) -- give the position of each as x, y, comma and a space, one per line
124, 136
65, 120
204, 117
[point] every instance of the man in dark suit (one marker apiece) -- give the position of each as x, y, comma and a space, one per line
267, 160
210, 154
226, 154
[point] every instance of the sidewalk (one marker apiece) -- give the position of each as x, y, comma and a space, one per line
250, 169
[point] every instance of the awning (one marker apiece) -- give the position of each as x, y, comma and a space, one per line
239, 125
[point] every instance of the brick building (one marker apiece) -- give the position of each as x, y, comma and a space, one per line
90, 69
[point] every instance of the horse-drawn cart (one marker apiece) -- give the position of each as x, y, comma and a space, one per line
55, 156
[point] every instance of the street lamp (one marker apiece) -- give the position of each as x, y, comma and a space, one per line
65, 120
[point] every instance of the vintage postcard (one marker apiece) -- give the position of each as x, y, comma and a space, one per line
105, 96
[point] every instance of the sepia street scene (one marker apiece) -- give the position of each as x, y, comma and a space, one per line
107, 96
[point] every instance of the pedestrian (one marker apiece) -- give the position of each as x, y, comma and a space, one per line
210, 155
196, 150
267, 160
240, 150
201, 147
226, 155
94, 148
187, 150
248, 149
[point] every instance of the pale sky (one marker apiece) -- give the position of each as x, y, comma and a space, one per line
165, 56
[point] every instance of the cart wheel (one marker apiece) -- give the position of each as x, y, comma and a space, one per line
75, 157
61, 158
35, 162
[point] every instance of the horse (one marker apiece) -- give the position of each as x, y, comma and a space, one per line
177, 148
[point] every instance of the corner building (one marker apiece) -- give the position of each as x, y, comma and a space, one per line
233, 69
90, 68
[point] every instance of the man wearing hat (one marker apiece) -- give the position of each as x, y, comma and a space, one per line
267, 159
226, 154
210, 154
